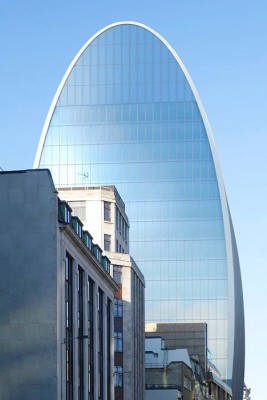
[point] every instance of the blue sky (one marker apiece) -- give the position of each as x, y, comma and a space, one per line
223, 46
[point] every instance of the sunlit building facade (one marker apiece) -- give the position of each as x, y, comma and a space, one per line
127, 114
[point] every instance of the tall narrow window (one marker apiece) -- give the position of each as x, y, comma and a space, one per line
122, 228
107, 242
80, 334
107, 211
126, 233
117, 307
120, 222
117, 218
117, 273
69, 326
100, 344
118, 341
108, 349
90, 339
118, 376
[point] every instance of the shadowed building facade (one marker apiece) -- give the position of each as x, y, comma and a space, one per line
56, 324
127, 114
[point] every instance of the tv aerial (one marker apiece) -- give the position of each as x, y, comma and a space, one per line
85, 175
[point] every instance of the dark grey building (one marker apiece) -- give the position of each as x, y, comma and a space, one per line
56, 308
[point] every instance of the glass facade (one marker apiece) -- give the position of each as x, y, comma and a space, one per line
126, 114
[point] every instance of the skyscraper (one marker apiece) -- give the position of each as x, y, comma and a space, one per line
127, 114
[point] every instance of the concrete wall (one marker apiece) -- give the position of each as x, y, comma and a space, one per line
190, 336
172, 375
133, 286
166, 394
28, 307
92, 199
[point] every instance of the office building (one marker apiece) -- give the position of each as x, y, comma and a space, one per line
169, 372
129, 333
127, 113
103, 210
178, 363
56, 313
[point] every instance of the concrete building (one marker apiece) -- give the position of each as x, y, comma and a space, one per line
103, 210
127, 113
169, 372
56, 324
129, 326
177, 360
190, 336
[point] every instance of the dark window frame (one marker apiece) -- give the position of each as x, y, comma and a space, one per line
118, 376
118, 341
109, 348
69, 325
118, 308
107, 242
91, 361
80, 316
100, 344
107, 211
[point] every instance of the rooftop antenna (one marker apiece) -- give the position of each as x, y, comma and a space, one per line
85, 175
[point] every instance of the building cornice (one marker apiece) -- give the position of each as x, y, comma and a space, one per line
64, 227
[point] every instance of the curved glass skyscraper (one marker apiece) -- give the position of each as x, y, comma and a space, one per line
127, 114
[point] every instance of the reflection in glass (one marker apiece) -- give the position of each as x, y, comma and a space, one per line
127, 116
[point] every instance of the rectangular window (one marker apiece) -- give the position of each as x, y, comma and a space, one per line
126, 233
80, 334
117, 246
123, 224
91, 363
117, 307
187, 383
118, 341
117, 273
118, 376
117, 218
107, 211
69, 326
120, 222
100, 344
107, 242
108, 349
64, 211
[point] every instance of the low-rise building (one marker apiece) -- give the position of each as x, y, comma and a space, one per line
177, 361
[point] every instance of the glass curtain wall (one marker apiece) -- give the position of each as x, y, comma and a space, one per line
126, 116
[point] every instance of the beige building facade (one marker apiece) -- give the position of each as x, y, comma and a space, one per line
102, 211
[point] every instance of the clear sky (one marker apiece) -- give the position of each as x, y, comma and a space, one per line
223, 45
